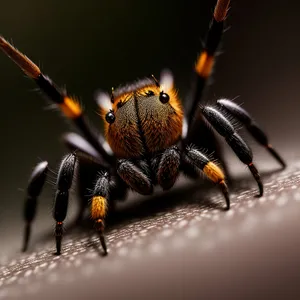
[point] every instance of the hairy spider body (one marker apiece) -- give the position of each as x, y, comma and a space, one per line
150, 138
143, 124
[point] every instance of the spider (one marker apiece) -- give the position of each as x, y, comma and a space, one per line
150, 138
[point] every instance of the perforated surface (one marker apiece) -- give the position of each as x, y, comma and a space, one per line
180, 245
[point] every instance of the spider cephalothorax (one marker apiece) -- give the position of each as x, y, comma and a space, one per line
142, 118
150, 138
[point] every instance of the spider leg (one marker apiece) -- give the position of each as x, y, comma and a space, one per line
196, 126
69, 107
35, 186
136, 177
89, 163
205, 61
99, 205
63, 184
254, 129
168, 167
238, 145
198, 160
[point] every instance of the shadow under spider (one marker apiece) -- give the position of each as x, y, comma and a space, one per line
145, 207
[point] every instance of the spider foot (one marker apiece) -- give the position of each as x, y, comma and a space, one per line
256, 176
99, 224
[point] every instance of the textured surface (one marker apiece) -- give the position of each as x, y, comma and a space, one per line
213, 252
170, 246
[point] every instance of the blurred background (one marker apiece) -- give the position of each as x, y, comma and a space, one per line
87, 45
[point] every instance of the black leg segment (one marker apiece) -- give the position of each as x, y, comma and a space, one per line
35, 185
134, 177
254, 129
238, 145
168, 168
63, 184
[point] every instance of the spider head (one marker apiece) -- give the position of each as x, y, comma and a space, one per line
142, 117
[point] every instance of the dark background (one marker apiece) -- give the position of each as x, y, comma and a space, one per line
86, 45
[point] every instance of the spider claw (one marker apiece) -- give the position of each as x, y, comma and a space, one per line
99, 224
225, 192
58, 245
261, 189
27, 232
58, 236
275, 154
103, 243
256, 175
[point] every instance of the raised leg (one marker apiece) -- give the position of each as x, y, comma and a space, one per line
238, 145
198, 160
69, 106
35, 186
63, 184
254, 129
198, 134
205, 61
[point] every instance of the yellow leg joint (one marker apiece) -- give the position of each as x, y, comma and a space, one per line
71, 108
214, 173
98, 207
204, 64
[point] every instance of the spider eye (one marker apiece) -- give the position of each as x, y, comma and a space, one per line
163, 97
110, 117
120, 104
150, 93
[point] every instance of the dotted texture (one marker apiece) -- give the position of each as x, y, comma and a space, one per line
180, 244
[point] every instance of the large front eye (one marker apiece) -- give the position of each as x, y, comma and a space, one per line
163, 97
110, 117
